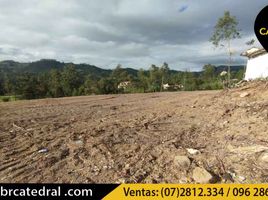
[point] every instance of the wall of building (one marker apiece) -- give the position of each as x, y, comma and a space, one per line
257, 67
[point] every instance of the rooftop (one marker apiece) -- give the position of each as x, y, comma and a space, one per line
254, 52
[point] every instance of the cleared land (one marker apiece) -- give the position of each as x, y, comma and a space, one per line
137, 137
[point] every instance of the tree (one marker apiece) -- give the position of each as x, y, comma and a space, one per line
189, 81
1, 85
240, 74
42, 85
155, 79
8, 85
26, 86
142, 80
225, 31
107, 86
70, 80
55, 88
208, 72
90, 85
164, 72
119, 74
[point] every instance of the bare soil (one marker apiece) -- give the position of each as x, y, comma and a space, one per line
134, 138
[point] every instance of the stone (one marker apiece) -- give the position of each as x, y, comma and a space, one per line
225, 122
78, 142
44, 150
200, 175
182, 162
232, 174
193, 151
244, 94
241, 178
263, 160
121, 180
183, 180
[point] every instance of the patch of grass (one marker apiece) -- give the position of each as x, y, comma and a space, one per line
5, 99
9, 98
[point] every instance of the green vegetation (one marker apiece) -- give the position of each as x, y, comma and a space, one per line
40, 80
9, 98
5, 98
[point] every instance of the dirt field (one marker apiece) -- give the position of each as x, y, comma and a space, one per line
180, 137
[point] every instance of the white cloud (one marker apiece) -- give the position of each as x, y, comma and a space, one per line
134, 33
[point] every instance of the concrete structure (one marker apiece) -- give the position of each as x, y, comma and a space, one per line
168, 86
124, 85
257, 65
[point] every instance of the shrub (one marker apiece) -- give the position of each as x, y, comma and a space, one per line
5, 99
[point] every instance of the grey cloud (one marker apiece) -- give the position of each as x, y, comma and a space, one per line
183, 8
108, 32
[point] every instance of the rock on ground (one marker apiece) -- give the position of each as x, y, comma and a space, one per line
263, 160
182, 161
200, 175
244, 94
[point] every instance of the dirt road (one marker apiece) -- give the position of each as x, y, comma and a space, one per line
137, 138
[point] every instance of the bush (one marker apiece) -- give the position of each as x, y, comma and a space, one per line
5, 99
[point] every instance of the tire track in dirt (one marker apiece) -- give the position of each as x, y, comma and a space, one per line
20, 159
119, 138
15, 156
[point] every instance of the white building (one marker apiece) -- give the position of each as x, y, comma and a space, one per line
124, 85
257, 65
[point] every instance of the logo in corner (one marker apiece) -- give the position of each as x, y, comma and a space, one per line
261, 27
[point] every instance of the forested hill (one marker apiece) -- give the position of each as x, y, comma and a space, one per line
45, 65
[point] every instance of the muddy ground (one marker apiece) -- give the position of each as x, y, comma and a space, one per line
138, 138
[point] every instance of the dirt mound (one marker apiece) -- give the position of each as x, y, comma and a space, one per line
180, 137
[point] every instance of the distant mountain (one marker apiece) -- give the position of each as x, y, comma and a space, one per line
45, 65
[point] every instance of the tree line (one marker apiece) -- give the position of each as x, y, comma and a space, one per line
71, 82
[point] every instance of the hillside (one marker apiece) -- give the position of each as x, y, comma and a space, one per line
46, 65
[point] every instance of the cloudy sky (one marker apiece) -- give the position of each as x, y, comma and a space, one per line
134, 33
